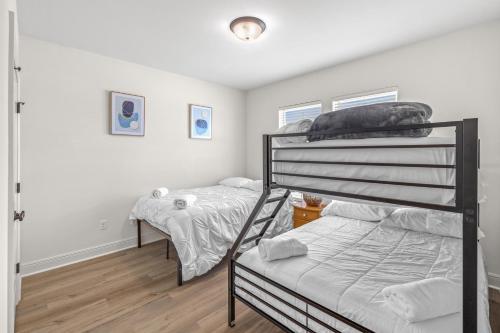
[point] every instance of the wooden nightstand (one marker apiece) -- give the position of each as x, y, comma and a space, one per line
303, 214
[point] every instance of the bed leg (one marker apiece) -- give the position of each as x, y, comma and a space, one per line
179, 271
139, 244
231, 314
231, 309
168, 249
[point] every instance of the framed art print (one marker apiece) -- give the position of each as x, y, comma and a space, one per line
200, 122
127, 114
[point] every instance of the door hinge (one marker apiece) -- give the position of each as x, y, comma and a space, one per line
479, 153
18, 268
17, 68
18, 187
18, 106
19, 216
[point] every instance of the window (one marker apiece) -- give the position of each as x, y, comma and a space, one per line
295, 113
381, 96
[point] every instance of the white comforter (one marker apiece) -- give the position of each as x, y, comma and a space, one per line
436, 155
348, 264
203, 233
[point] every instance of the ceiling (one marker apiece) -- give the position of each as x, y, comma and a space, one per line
191, 37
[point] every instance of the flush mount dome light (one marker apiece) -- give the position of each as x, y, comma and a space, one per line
247, 28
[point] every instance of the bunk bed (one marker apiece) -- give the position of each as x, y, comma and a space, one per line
303, 168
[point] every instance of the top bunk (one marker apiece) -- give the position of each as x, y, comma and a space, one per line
426, 172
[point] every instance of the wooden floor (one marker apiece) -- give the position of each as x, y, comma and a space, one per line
130, 291
495, 310
135, 291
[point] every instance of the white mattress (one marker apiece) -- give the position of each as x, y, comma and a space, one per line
349, 263
385, 155
204, 232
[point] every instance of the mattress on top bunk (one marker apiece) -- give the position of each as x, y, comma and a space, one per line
432, 155
348, 264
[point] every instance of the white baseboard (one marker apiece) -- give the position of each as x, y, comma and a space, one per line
47, 264
494, 280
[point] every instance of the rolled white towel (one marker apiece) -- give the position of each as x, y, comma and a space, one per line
424, 299
184, 201
273, 249
160, 192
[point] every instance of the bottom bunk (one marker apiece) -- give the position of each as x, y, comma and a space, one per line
348, 264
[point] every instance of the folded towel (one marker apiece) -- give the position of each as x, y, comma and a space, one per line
160, 192
184, 201
273, 249
424, 299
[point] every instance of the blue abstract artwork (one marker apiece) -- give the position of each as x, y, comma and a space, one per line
200, 122
127, 114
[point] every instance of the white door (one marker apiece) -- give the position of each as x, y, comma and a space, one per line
14, 157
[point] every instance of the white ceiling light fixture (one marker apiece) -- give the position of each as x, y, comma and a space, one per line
247, 28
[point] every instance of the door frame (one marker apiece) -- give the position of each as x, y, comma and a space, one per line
10, 227
15, 144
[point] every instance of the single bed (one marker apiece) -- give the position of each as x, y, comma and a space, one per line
203, 233
348, 263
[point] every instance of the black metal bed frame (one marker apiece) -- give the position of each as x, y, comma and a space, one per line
466, 166
169, 241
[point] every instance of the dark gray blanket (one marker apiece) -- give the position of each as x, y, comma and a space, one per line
375, 115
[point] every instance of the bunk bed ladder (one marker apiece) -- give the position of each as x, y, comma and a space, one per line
264, 220
264, 199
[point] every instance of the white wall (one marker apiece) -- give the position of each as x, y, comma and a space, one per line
75, 173
457, 74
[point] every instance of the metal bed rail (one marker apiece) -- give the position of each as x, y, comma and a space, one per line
466, 165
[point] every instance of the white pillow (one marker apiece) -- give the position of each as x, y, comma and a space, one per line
430, 221
301, 126
357, 211
254, 185
235, 181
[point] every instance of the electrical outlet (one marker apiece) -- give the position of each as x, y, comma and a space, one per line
103, 224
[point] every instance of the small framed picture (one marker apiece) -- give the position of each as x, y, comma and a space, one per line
200, 122
127, 114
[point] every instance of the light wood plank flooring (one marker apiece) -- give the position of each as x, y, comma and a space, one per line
135, 291
495, 310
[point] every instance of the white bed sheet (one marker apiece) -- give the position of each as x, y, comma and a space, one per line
387, 155
203, 233
349, 263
